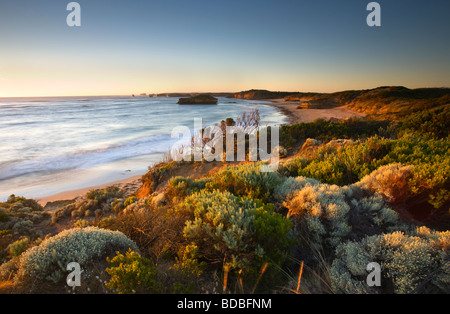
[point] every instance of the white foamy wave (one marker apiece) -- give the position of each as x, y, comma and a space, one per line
87, 158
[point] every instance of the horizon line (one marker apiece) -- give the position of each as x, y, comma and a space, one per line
213, 92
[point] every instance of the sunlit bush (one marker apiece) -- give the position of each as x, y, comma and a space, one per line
18, 247
180, 187
131, 274
285, 190
328, 214
129, 201
391, 181
246, 180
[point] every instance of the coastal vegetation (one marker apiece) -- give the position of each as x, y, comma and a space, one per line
347, 193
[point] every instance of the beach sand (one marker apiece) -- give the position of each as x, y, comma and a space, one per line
308, 115
129, 185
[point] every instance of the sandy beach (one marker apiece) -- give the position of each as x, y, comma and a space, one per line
129, 185
308, 115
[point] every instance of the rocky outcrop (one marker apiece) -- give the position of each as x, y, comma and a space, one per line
198, 100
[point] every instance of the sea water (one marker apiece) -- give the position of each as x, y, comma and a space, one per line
52, 145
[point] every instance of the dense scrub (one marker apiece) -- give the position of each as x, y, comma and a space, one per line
414, 262
19, 220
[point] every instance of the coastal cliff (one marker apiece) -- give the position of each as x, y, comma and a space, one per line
392, 102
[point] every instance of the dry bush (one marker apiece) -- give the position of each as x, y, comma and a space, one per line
389, 181
154, 229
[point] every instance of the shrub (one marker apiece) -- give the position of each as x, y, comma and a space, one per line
329, 130
23, 227
229, 230
187, 261
434, 122
180, 187
156, 231
94, 203
131, 274
22, 202
118, 205
130, 200
416, 261
49, 260
3, 216
290, 185
20, 214
328, 214
391, 182
18, 247
246, 180
81, 223
102, 195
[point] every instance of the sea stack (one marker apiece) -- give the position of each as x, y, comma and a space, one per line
198, 100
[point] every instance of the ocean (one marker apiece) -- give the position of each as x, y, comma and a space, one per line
58, 144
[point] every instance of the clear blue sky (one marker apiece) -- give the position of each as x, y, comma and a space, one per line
135, 46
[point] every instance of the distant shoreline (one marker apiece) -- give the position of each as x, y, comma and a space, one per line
295, 116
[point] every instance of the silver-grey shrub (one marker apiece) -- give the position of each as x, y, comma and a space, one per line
419, 260
290, 185
329, 214
49, 260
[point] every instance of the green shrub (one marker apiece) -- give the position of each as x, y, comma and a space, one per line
187, 262
434, 122
94, 204
23, 227
118, 205
18, 247
20, 214
48, 261
3, 216
229, 230
130, 200
82, 223
102, 195
246, 180
180, 187
329, 130
409, 262
291, 168
131, 274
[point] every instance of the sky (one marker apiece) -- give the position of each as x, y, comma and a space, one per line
128, 47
